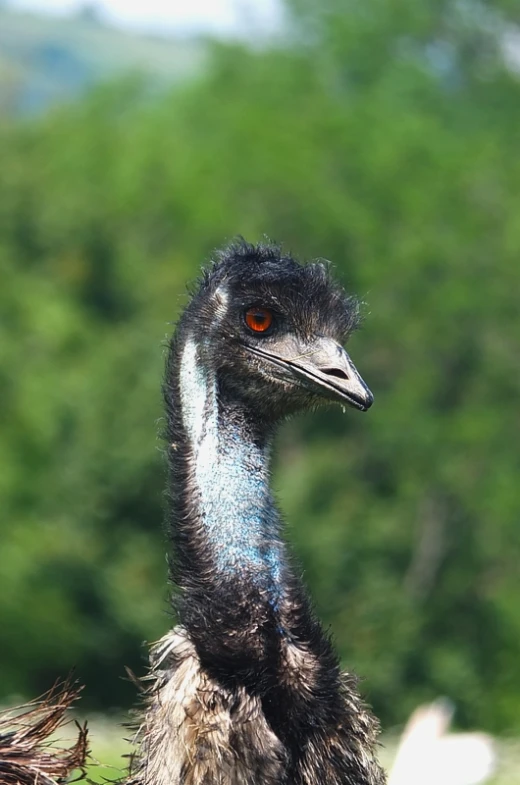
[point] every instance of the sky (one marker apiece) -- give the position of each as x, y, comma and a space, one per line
217, 16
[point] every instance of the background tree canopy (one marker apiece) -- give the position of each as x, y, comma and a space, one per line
383, 136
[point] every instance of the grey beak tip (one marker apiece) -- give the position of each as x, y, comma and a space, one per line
369, 400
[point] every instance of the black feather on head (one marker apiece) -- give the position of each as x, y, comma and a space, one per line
305, 306
308, 296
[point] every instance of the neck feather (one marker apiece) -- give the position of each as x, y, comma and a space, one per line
233, 516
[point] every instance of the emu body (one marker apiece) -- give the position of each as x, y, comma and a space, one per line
247, 689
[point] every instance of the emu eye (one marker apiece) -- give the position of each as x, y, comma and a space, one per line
259, 319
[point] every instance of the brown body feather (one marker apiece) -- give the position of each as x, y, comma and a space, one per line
197, 731
27, 754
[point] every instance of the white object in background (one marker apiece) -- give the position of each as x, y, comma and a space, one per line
429, 755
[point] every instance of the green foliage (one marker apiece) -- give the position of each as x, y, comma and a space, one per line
383, 137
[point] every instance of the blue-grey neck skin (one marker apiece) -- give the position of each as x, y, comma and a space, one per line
230, 477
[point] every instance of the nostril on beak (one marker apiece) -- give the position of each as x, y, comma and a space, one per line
337, 372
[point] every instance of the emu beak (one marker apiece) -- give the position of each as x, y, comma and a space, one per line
326, 367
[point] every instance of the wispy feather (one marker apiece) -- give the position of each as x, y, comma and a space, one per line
28, 753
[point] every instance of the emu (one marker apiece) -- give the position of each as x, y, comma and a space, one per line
247, 689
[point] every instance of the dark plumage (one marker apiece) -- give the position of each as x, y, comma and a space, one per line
247, 690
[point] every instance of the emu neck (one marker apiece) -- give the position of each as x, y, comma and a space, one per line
233, 517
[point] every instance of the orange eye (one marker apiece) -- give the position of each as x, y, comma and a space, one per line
259, 319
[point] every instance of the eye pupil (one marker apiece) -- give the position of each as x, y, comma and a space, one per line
259, 319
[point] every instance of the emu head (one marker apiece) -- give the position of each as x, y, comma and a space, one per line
272, 332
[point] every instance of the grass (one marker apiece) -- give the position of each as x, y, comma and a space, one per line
109, 748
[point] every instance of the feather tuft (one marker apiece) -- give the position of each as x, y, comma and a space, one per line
28, 754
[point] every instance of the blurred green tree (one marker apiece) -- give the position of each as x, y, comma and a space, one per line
382, 136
